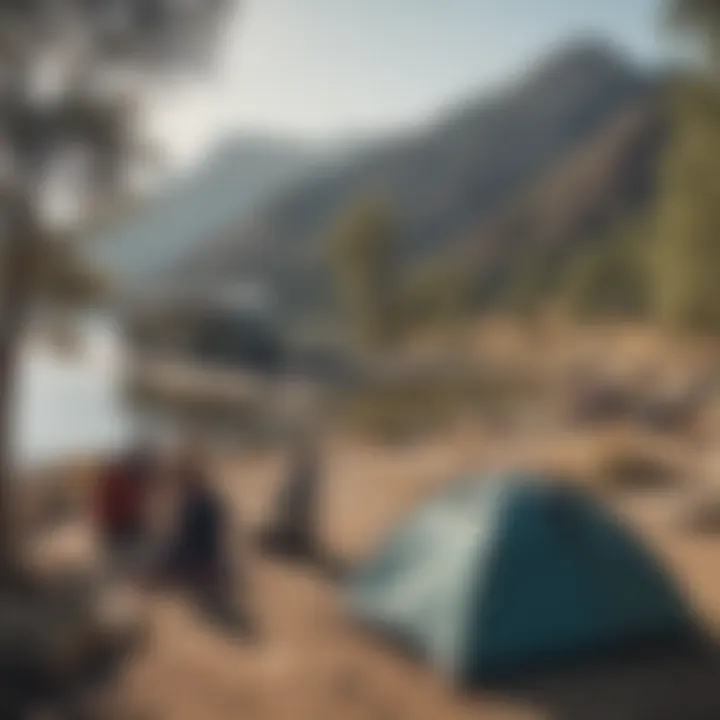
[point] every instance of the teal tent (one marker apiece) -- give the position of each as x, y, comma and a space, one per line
509, 573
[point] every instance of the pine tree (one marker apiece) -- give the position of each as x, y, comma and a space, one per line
363, 246
687, 261
69, 73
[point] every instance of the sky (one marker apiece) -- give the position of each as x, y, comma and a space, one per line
333, 69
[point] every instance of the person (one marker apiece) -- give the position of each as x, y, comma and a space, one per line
197, 559
121, 505
197, 542
294, 531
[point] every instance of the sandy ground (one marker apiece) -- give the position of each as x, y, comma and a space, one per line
310, 663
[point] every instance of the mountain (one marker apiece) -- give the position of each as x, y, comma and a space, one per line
608, 180
221, 193
557, 143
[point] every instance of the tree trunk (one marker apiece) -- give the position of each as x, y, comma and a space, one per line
20, 245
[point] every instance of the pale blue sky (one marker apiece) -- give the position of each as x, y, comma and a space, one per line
332, 68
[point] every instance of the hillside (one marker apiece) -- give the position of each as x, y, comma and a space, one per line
464, 177
222, 192
577, 203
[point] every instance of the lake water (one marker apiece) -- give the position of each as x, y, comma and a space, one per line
71, 404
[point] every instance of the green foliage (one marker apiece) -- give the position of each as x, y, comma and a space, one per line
65, 278
362, 248
530, 283
699, 19
611, 277
437, 293
688, 217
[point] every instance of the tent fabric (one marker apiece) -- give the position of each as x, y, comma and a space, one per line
498, 575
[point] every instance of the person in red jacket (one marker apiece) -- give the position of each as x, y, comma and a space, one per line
121, 501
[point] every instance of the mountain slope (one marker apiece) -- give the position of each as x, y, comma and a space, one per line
450, 178
237, 177
608, 180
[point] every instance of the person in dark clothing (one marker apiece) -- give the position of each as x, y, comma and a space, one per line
197, 550
198, 559
294, 531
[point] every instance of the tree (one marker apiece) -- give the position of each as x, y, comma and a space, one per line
610, 277
529, 284
69, 71
688, 216
363, 257
437, 293
700, 20
687, 261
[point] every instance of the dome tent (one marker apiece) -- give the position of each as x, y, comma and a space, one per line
502, 576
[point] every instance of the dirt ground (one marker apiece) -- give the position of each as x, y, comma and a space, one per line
309, 662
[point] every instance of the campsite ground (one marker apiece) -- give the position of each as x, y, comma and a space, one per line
310, 663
